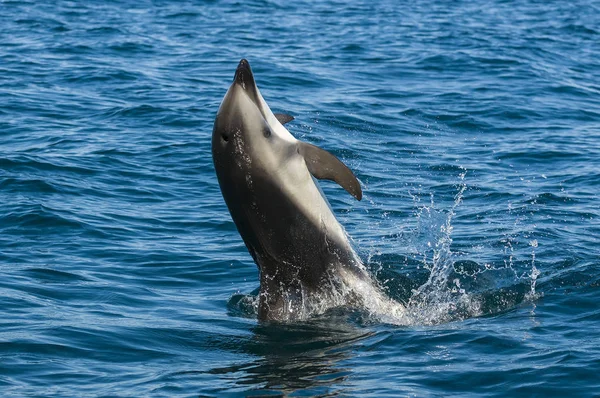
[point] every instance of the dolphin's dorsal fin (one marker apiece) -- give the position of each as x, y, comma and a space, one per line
283, 118
325, 166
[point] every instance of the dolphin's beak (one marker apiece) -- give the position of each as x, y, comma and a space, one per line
245, 79
244, 76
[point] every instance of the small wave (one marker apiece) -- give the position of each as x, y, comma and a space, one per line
39, 216
21, 185
49, 275
580, 29
28, 163
183, 15
96, 74
135, 111
101, 31
131, 47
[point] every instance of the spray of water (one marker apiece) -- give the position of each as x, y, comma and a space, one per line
450, 293
437, 301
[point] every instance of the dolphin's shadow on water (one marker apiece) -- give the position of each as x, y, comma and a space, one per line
297, 357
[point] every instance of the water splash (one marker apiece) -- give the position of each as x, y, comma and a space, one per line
455, 288
532, 294
342, 289
437, 300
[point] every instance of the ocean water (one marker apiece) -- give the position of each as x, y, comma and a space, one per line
474, 128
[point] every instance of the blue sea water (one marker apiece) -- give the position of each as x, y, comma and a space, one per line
474, 128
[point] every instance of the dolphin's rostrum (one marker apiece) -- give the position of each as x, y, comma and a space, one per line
266, 177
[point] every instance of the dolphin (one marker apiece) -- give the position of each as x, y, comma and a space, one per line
266, 175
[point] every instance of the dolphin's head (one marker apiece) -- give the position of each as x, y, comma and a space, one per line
250, 141
240, 114
244, 122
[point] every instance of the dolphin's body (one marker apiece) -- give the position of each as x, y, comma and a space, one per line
266, 177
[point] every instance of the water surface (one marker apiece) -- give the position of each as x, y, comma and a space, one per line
473, 128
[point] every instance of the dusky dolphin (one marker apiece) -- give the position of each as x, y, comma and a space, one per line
266, 175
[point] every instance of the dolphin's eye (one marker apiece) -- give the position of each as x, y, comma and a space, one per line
267, 132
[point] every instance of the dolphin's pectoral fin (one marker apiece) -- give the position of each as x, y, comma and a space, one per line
325, 166
283, 118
